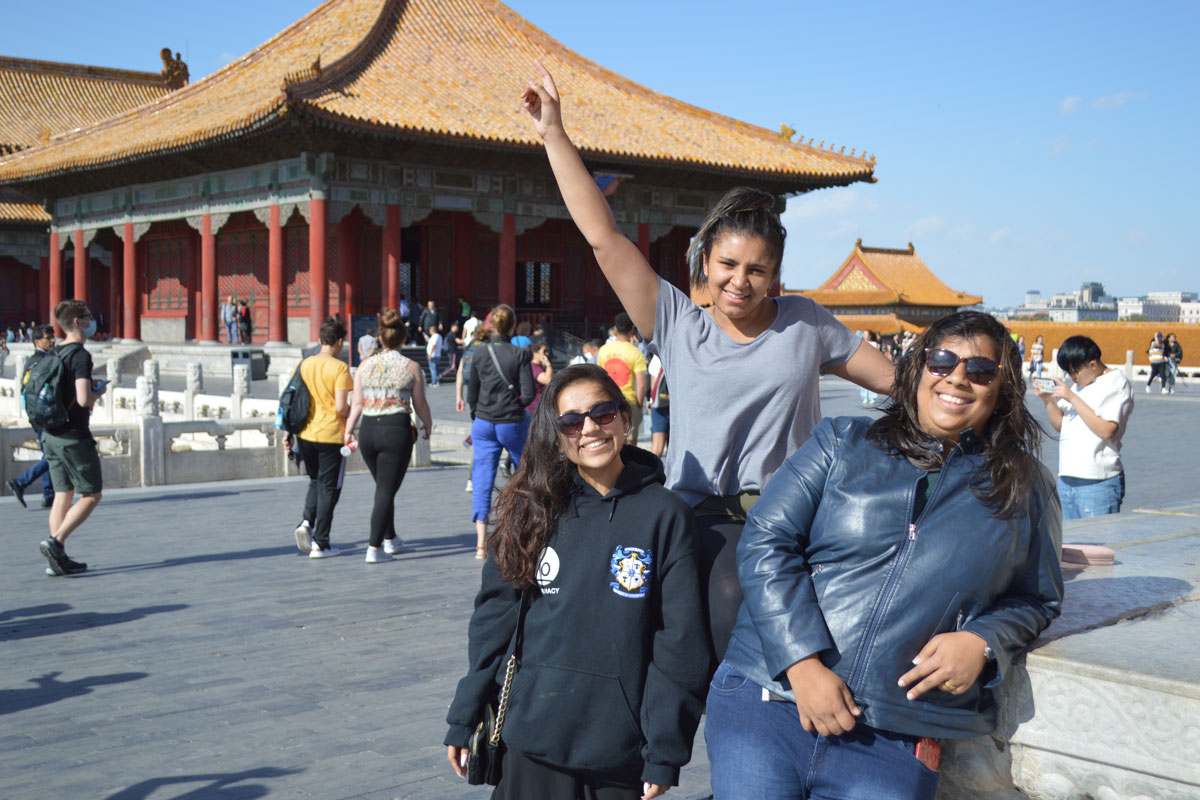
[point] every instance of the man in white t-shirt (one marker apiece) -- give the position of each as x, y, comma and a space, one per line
433, 350
1091, 415
469, 327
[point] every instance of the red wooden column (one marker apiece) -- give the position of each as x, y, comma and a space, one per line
276, 309
115, 269
318, 282
208, 280
43, 290
391, 258
133, 322
644, 239
349, 229
55, 280
506, 285
82, 267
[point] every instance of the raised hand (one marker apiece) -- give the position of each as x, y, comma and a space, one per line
540, 99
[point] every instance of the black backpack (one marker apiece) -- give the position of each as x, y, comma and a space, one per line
42, 393
294, 404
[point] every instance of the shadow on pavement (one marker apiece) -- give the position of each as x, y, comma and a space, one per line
50, 689
63, 623
415, 549
158, 498
217, 786
34, 611
205, 558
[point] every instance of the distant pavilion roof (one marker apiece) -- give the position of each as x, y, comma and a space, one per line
16, 208
441, 70
878, 276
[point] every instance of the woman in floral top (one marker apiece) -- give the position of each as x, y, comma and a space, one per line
386, 387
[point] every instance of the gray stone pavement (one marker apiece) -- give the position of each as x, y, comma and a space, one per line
204, 657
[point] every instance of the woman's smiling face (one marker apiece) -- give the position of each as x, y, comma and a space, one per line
947, 405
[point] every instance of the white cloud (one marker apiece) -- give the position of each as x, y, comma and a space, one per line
1070, 104
997, 236
962, 231
829, 204
1117, 100
926, 226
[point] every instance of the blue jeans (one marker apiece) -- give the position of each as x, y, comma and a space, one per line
1090, 497
41, 470
758, 749
434, 373
488, 439
231, 328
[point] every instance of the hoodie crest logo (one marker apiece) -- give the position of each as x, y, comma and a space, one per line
631, 567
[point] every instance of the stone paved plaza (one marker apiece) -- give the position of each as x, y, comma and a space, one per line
202, 656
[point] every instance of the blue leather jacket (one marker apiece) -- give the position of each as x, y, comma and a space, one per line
831, 562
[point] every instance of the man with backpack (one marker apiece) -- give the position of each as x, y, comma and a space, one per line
42, 337
59, 399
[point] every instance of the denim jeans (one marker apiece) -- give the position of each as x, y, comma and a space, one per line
488, 439
1088, 497
758, 749
40, 469
231, 328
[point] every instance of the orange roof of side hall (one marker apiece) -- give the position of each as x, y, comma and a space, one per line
882, 276
434, 69
43, 99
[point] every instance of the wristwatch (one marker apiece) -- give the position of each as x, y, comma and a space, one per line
988, 653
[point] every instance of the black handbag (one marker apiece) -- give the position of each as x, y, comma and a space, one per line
485, 748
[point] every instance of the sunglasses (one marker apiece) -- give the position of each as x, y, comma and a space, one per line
980, 371
571, 423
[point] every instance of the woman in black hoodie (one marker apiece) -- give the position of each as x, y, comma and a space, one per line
613, 663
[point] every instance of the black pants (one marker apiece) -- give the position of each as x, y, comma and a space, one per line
386, 444
716, 551
326, 470
523, 778
1159, 371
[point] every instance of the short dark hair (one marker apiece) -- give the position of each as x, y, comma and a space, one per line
42, 332
623, 324
332, 330
67, 311
1077, 351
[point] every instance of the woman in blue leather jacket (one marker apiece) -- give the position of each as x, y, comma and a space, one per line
892, 571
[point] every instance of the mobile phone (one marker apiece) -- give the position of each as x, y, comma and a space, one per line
1044, 385
929, 752
98, 385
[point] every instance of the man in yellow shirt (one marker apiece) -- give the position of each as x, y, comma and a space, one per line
320, 442
626, 365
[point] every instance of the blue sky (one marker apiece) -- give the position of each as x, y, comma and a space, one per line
1020, 145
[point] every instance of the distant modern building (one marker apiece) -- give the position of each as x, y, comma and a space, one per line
887, 291
1093, 312
1033, 299
1152, 311
1189, 311
1172, 298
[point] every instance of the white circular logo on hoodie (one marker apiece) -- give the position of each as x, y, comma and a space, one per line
547, 569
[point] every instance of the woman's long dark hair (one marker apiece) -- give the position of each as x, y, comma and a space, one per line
743, 211
1011, 439
537, 494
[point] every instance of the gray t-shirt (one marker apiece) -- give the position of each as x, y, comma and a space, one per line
738, 410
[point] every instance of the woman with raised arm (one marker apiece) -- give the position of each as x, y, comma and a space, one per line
738, 410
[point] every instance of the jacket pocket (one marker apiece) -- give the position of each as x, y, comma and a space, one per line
572, 719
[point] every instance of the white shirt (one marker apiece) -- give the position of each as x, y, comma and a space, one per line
1083, 454
433, 348
469, 328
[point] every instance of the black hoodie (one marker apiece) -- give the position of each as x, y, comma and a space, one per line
614, 664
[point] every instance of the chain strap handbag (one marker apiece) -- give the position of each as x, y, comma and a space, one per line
485, 748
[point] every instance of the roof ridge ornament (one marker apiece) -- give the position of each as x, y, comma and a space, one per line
175, 71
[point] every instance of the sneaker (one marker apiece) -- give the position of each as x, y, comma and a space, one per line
47, 502
1164, 390
75, 567
391, 546
52, 549
317, 552
469, 485
18, 492
1147, 390
376, 556
304, 537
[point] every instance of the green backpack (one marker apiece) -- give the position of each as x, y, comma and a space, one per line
42, 393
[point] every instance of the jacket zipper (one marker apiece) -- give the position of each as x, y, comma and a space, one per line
889, 588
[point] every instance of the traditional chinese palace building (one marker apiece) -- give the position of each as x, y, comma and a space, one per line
887, 291
373, 150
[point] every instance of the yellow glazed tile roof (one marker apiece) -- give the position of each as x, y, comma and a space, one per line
446, 69
883, 324
16, 207
882, 276
41, 99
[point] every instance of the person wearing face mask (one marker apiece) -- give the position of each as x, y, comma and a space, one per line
70, 449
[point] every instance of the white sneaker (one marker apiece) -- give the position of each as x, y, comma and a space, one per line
304, 537
1164, 390
317, 552
1147, 389
468, 484
378, 556
390, 546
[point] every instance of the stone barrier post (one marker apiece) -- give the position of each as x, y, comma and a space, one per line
195, 385
112, 371
150, 372
19, 362
421, 453
1129, 365
1052, 365
153, 451
241, 388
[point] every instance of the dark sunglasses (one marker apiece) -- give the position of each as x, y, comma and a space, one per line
571, 423
980, 371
